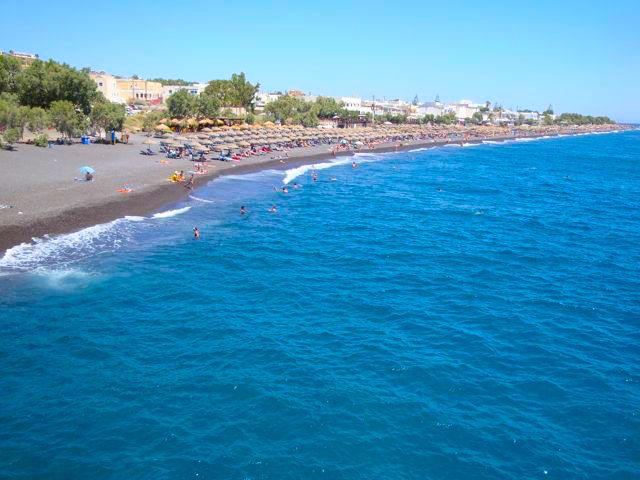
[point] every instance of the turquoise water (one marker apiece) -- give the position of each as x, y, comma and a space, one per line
450, 313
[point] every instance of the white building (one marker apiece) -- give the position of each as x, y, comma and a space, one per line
353, 104
463, 109
194, 89
430, 108
262, 99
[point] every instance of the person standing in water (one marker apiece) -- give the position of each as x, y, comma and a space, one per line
273, 209
243, 210
354, 164
196, 233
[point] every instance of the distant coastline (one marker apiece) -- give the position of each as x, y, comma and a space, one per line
163, 193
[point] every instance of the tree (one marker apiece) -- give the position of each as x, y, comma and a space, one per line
221, 91
42, 83
11, 135
65, 118
326, 107
477, 118
520, 119
181, 104
236, 92
447, 118
207, 106
429, 117
9, 71
151, 120
169, 81
243, 91
548, 111
415, 100
108, 116
287, 108
38, 120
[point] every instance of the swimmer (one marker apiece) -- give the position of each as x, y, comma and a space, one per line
243, 210
354, 165
196, 233
440, 190
296, 185
273, 209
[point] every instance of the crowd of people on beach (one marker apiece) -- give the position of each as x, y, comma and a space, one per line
240, 142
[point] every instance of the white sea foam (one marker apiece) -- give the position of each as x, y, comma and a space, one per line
133, 218
491, 142
64, 278
171, 213
526, 139
64, 248
470, 144
204, 200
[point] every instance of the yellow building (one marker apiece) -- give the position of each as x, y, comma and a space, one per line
108, 86
132, 89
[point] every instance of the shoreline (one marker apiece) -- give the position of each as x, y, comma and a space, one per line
143, 203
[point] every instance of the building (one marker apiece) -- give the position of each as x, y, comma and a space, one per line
430, 108
263, 99
24, 57
108, 86
135, 89
463, 109
193, 89
353, 104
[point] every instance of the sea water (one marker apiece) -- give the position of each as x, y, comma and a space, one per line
442, 313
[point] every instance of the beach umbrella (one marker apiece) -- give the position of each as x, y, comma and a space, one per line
86, 169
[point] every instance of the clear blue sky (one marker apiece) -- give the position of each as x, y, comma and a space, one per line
578, 56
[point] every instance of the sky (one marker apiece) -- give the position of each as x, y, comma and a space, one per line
580, 57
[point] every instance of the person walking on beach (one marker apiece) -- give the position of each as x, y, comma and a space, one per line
189, 184
196, 233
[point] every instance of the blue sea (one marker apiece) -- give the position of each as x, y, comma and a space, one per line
449, 313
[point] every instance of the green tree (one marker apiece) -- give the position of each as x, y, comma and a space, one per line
429, 117
477, 118
65, 118
108, 116
151, 120
520, 119
181, 104
11, 135
447, 118
38, 120
548, 111
326, 107
10, 70
236, 92
42, 83
169, 81
244, 92
207, 106
287, 108
221, 91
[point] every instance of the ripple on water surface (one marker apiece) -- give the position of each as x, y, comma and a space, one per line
440, 313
